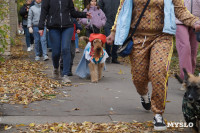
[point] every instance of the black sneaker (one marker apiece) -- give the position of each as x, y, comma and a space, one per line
108, 60
159, 123
115, 61
146, 102
70, 74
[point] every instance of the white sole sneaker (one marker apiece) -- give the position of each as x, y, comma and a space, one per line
160, 128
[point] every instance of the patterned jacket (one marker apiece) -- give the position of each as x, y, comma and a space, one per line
153, 20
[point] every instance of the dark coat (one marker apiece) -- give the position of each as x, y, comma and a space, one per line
24, 13
110, 8
59, 14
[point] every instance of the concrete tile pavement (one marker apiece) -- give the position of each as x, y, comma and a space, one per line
114, 98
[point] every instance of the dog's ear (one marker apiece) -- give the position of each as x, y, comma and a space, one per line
186, 76
178, 78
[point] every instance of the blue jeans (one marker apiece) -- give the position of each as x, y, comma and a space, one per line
27, 35
60, 40
40, 40
111, 49
76, 40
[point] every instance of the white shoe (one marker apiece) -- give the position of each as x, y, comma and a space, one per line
56, 73
45, 58
29, 49
37, 58
77, 50
32, 46
66, 80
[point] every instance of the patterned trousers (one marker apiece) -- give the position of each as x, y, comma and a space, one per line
150, 60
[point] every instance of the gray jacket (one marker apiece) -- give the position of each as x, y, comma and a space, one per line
34, 15
110, 8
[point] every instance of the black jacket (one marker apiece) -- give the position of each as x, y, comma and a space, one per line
24, 13
58, 13
109, 7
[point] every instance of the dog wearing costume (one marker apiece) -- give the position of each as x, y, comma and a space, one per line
95, 56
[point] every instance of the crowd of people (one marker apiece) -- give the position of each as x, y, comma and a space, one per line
153, 40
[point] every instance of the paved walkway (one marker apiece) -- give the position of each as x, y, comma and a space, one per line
114, 98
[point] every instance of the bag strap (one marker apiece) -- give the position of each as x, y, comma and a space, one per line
138, 21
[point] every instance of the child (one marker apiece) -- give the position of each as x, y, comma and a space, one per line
33, 20
97, 21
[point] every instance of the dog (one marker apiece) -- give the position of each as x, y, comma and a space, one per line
191, 99
96, 55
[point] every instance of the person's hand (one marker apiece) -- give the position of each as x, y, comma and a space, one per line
110, 38
30, 29
196, 26
78, 31
88, 14
41, 32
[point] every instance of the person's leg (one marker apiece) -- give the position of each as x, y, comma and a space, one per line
76, 40
160, 57
43, 41
66, 52
55, 40
32, 38
140, 65
88, 32
194, 48
27, 36
37, 42
114, 54
107, 46
77, 43
72, 56
184, 49
49, 43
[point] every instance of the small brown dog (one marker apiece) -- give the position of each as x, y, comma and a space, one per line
96, 55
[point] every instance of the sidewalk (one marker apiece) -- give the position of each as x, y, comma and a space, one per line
114, 98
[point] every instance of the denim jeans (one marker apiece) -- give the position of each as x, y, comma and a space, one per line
111, 49
27, 35
40, 40
76, 40
60, 40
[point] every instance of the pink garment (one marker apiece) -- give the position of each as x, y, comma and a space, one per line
193, 7
187, 46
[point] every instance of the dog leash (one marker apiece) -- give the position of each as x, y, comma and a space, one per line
89, 20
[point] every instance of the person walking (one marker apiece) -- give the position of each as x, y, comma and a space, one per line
110, 7
98, 18
59, 15
33, 20
152, 49
186, 42
24, 13
77, 30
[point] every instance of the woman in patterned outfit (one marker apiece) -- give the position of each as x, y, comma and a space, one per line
152, 51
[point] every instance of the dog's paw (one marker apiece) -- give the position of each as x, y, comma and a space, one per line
94, 81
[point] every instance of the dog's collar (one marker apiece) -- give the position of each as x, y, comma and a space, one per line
96, 60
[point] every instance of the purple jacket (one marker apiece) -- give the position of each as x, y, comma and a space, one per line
98, 18
193, 7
